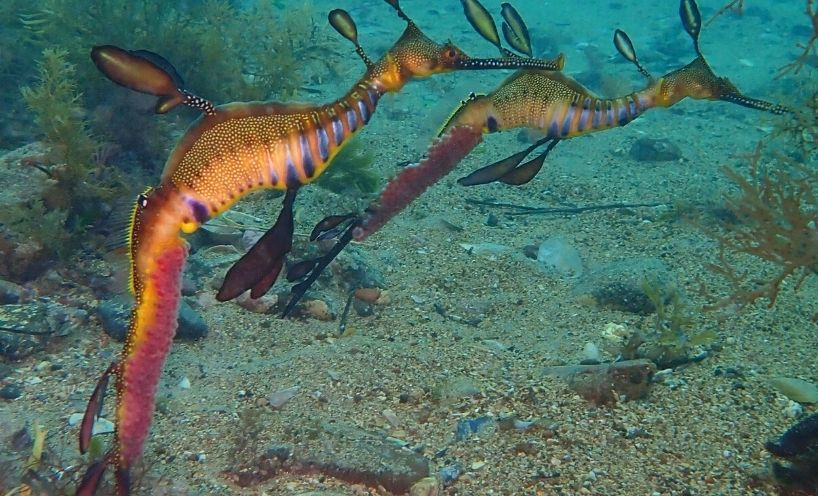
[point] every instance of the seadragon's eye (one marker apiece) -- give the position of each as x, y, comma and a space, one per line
142, 200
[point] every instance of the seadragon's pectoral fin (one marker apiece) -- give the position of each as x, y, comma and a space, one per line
507, 170
258, 269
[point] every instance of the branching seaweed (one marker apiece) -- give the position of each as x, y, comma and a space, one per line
736, 6
673, 338
775, 220
808, 48
78, 184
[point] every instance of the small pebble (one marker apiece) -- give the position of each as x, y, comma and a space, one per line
184, 383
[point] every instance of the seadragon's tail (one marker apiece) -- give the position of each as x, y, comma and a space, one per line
443, 156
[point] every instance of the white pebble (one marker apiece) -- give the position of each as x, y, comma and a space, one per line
793, 409
591, 353
101, 426
184, 383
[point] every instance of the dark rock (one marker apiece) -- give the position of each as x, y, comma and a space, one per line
363, 308
5, 370
21, 440
621, 285
189, 285
22, 261
27, 325
10, 292
11, 391
530, 251
191, 324
115, 314
16, 347
654, 150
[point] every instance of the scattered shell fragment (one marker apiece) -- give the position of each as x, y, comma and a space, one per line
184, 383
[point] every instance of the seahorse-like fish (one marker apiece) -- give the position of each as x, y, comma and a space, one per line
562, 108
230, 151
549, 101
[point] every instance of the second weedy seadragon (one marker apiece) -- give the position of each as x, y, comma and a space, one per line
562, 108
230, 151
547, 101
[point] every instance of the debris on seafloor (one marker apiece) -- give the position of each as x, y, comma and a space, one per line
609, 382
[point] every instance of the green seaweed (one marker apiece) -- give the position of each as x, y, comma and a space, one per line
352, 171
672, 339
78, 186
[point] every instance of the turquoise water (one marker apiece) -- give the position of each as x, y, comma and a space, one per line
579, 334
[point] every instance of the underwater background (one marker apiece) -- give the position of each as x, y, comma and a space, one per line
639, 319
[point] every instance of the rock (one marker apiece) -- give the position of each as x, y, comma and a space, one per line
318, 310
654, 150
101, 425
11, 392
341, 450
33, 322
5, 370
621, 285
22, 260
115, 314
189, 285
192, 325
456, 389
10, 292
16, 347
608, 382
